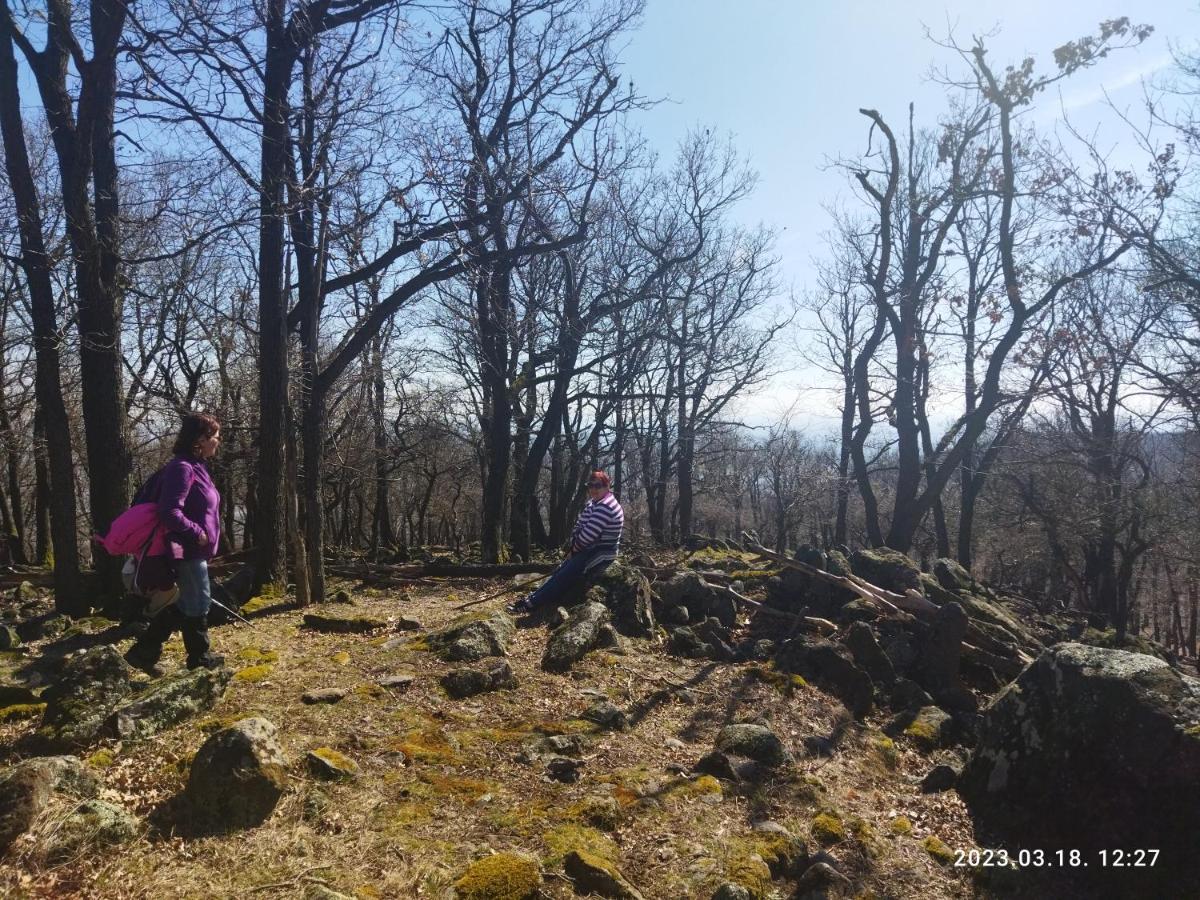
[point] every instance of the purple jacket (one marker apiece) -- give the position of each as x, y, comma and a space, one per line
188, 506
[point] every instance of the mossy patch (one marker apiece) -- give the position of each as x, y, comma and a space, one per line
781, 681
502, 876
884, 749
936, 848
1194, 731
258, 655
102, 759
427, 745
336, 764
571, 836
705, 785
750, 871
827, 828
341, 657
369, 691
252, 674
901, 826
604, 813
21, 711
466, 790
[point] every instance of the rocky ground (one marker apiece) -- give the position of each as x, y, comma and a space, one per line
391, 746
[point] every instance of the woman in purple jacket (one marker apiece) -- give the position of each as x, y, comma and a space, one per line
189, 508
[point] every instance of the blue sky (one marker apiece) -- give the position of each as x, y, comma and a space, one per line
786, 80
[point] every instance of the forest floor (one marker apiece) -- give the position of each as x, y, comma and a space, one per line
441, 785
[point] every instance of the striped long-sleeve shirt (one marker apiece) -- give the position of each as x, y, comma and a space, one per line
599, 529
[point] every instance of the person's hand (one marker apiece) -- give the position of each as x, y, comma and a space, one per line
203, 540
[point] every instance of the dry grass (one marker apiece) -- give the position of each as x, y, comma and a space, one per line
440, 785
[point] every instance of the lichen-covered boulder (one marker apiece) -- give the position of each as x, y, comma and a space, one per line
494, 675
831, 667
887, 568
1112, 733
701, 599
473, 637
81, 699
756, 742
708, 639
26, 790
625, 591
501, 876
90, 825
167, 702
237, 777
572, 640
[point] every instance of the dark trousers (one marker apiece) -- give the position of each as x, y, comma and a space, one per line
571, 570
149, 646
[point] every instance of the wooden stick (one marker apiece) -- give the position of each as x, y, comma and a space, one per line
500, 593
824, 626
889, 602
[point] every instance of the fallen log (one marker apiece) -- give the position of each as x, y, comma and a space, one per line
1009, 668
442, 570
890, 602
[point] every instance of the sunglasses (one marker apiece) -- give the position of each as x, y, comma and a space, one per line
596, 484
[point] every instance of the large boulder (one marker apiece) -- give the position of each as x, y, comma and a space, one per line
79, 702
472, 638
1095, 749
831, 667
580, 634
167, 702
698, 597
887, 568
237, 777
28, 788
625, 591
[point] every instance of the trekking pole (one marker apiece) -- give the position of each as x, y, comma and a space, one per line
500, 593
237, 616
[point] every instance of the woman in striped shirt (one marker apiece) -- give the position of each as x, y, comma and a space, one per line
595, 542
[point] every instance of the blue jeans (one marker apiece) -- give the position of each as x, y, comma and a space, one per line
195, 592
564, 576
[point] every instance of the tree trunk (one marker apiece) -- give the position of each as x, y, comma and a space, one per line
272, 299
51, 410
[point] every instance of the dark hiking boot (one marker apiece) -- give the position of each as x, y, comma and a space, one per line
519, 607
195, 641
144, 660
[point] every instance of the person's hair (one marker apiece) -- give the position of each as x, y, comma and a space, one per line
601, 477
195, 428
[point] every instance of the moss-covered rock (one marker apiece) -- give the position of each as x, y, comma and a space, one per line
593, 874
750, 871
332, 623
325, 762
756, 742
237, 777
887, 568
252, 674
900, 826
603, 813
469, 681
929, 729
831, 667
502, 876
